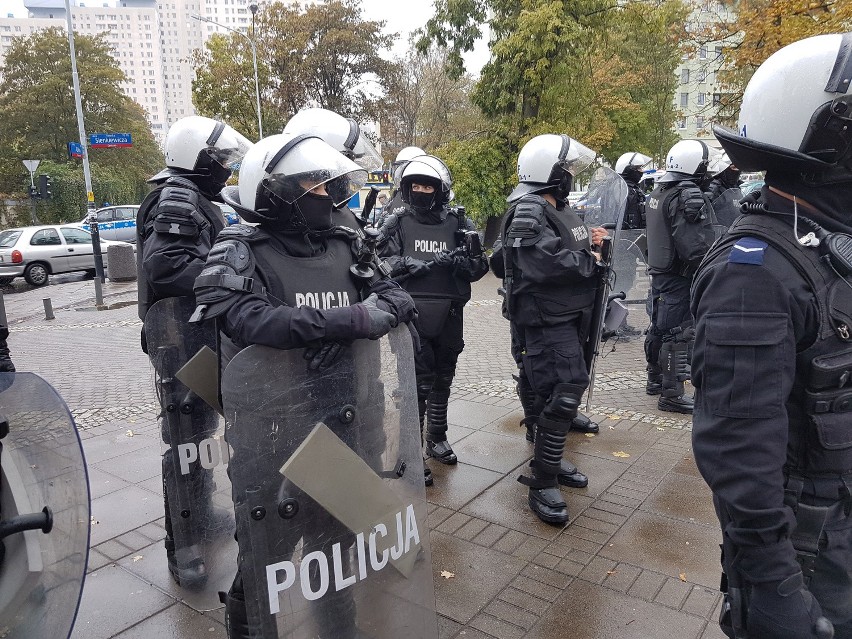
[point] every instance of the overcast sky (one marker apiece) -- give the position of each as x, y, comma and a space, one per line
399, 20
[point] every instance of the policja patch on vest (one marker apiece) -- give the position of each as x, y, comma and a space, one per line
747, 250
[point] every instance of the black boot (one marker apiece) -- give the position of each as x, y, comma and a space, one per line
681, 404
654, 385
437, 446
571, 477
530, 403
583, 424
236, 617
186, 565
674, 362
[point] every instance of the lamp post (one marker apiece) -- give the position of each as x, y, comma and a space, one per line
253, 59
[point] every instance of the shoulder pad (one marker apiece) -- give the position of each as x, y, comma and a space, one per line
527, 224
182, 182
344, 233
177, 212
242, 232
748, 250
226, 275
693, 204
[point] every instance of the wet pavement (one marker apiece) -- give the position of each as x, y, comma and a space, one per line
638, 559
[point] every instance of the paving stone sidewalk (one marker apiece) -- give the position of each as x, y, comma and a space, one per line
639, 558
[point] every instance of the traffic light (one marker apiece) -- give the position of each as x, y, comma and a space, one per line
34, 192
44, 186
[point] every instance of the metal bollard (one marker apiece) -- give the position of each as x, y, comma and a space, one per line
48, 308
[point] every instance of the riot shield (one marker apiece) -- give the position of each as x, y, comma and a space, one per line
605, 205
44, 511
630, 265
727, 206
327, 477
199, 516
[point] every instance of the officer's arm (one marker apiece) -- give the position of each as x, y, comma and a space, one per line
548, 261
390, 244
498, 266
743, 367
471, 269
178, 238
691, 216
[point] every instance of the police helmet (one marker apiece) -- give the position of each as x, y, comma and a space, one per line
686, 159
550, 163
796, 113
199, 146
631, 160
426, 170
343, 134
282, 168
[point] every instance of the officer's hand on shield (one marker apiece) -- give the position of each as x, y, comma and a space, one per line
598, 234
394, 299
322, 356
381, 322
417, 268
786, 610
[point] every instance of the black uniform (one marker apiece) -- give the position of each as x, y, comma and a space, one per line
439, 293
550, 278
724, 193
680, 230
291, 290
772, 435
175, 226
634, 212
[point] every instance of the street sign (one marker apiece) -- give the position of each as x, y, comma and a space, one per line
90, 196
75, 150
109, 140
32, 165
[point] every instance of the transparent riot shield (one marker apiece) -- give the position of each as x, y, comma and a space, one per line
44, 511
630, 267
727, 206
199, 514
327, 477
605, 205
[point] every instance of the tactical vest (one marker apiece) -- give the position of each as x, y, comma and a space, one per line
550, 301
662, 257
819, 408
210, 211
422, 241
634, 211
322, 282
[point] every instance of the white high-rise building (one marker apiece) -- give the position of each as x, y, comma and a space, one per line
152, 41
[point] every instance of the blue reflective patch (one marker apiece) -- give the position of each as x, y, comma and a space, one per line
748, 250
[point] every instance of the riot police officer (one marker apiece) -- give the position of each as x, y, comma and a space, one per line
549, 271
288, 283
724, 190
396, 203
772, 353
680, 230
417, 243
629, 166
176, 225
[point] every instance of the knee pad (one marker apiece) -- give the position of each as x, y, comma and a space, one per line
424, 386
563, 404
443, 381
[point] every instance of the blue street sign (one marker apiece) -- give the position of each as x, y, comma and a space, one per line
109, 140
75, 149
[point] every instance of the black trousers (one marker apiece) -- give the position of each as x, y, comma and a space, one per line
550, 355
440, 352
669, 310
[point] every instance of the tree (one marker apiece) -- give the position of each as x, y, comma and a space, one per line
424, 106
39, 116
752, 30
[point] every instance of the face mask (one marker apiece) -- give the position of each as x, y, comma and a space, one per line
316, 211
422, 202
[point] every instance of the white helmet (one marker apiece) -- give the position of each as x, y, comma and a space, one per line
341, 133
280, 169
633, 159
426, 170
687, 158
196, 145
796, 114
719, 163
550, 161
402, 159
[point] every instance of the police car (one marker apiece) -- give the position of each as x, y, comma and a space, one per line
119, 222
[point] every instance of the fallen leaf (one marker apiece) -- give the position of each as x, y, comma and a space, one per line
621, 453
682, 576
660, 428
612, 427
590, 434
137, 558
611, 572
446, 574
129, 433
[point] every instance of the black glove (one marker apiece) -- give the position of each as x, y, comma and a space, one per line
322, 356
417, 268
786, 610
443, 258
381, 322
394, 299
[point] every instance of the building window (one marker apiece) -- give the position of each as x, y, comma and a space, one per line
701, 99
699, 121
684, 76
702, 52
681, 123
717, 99
718, 52
702, 75
684, 99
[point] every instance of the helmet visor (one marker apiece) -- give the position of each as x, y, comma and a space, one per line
428, 166
312, 163
577, 158
364, 154
229, 148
